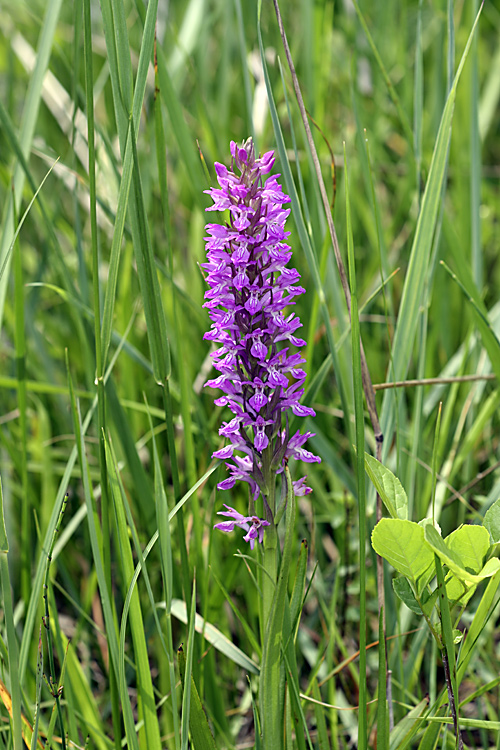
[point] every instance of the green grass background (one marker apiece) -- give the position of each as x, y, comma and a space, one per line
103, 358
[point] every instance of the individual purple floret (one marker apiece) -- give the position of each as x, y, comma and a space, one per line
252, 524
250, 286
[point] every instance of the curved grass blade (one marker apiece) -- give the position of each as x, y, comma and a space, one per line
303, 233
415, 280
488, 335
12, 646
125, 183
150, 733
29, 120
360, 468
214, 636
201, 733
392, 91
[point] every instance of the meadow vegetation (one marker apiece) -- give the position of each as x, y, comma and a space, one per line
126, 620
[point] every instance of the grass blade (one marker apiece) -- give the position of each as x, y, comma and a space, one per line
29, 120
417, 269
360, 469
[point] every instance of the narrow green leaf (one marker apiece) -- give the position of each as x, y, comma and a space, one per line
87, 704
38, 691
150, 287
357, 382
430, 736
390, 87
488, 336
201, 733
448, 649
388, 487
416, 275
319, 714
468, 723
187, 666
298, 587
293, 706
270, 691
479, 622
303, 232
182, 132
4, 542
214, 636
241, 616
29, 120
145, 56
145, 694
164, 536
114, 260
404, 591
382, 706
405, 730
12, 645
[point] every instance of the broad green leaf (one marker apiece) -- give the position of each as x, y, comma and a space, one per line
388, 487
471, 543
215, 637
454, 561
403, 590
492, 521
457, 590
401, 543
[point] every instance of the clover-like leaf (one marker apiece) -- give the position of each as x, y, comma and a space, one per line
402, 544
492, 521
454, 561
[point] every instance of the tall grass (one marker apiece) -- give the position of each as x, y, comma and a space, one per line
125, 106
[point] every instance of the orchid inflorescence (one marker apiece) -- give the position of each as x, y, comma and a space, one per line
250, 286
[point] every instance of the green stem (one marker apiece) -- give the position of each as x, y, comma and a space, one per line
167, 402
54, 689
269, 574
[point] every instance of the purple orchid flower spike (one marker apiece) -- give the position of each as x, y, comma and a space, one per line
253, 525
250, 286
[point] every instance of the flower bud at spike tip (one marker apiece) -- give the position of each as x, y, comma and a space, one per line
250, 287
